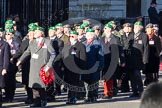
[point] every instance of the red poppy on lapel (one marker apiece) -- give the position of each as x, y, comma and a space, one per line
41, 44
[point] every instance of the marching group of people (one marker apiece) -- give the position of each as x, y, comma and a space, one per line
82, 44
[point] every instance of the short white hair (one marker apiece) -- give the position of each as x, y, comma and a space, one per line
90, 35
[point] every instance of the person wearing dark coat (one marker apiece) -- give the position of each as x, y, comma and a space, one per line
152, 67
58, 45
10, 78
95, 55
110, 42
153, 14
77, 50
139, 49
42, 54
125, 38
4, 64
26, 65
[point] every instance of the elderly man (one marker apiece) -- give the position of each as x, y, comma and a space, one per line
42, 53
4, 64
97, 30
60, 33
74, 49
138, 45
127, 29
94, 52
67, 29
110, 42
26, 65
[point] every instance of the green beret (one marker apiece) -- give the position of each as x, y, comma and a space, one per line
9, 30
138, 23
32, 25
90, 30
52, 28
1, 30
109, 25
32, 29
85, 24
81, 27
8, 26
74, 32
39, 28
59, 25
9, 22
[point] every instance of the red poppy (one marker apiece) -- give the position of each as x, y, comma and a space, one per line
41, 44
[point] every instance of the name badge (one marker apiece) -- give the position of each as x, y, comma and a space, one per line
73, 52
139, 41
151, 42
44, 46
13, 51
35, 56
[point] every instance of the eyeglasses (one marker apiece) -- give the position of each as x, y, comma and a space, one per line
8, 34
72, 36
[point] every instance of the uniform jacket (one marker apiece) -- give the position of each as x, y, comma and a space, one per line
139, 50
26, 64
114, 44
65, 39
41, 54
94, 53
4, 60
154, 55
76, 51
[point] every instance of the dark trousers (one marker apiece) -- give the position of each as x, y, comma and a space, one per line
91, 93
50, 90
39, 95
29, 92
0, 97
151, 77
10, 85
136, 81
58, 88
72, 93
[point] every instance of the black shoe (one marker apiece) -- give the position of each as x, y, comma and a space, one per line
134, 95
28, 101
64, 89
8, 100
87, 100
43, 103
35, 105
140, 94
51, 99
106, 97
71, 101
94, 99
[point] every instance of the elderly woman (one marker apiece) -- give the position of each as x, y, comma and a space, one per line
152, 67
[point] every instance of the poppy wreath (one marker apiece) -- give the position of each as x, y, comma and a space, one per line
47, 77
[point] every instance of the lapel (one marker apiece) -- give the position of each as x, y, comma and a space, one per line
38, 47
1, 43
